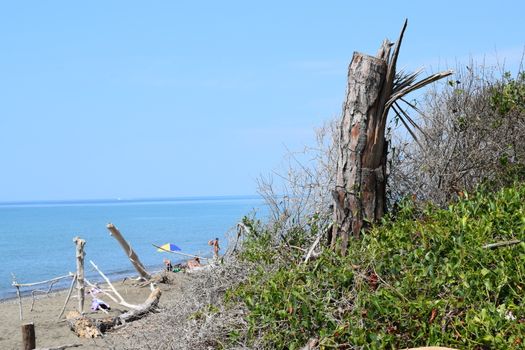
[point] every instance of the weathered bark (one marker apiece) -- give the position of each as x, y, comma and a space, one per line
87, 327
28, 336
80, 272
360, 192
133, 257
358, 175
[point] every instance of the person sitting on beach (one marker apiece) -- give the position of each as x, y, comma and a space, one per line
167, 264
193, 263
97, 304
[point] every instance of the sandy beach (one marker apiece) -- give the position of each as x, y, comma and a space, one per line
52, 333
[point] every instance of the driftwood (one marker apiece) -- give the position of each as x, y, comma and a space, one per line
34, 292
501, 244
29, 340
310, 253
61, 347
80, 243
87, 327
52, 280
133, 257
18, 285
120, 300
241, 227
68, 296
28, 336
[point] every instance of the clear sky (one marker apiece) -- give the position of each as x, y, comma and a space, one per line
107, 99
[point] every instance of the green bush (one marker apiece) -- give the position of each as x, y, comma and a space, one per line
423, 278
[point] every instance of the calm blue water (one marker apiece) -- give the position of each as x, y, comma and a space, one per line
36, 239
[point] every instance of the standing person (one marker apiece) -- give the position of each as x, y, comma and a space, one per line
215, 244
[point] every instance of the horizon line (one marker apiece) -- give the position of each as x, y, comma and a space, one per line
126, 200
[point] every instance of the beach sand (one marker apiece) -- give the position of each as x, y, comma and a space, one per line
50, 333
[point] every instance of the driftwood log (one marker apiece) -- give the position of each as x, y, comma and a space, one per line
87, 327
28, 336
133, 257
60, 347
501, 244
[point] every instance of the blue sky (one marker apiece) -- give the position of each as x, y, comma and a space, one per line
107, 99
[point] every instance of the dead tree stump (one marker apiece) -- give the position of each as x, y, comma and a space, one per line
28, 336
360, 189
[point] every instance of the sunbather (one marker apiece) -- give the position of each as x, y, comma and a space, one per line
193, 263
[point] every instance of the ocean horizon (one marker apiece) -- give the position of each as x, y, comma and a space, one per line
36, 237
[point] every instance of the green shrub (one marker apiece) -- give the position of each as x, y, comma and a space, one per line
423, 278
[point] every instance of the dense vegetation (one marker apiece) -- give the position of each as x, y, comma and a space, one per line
421, 277
472, 131
424, 275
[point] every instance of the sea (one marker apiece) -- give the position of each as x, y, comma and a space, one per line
36, 238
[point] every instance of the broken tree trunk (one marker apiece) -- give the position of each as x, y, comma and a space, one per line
80, 272
133, 257
360, 189
360, 179
87, 327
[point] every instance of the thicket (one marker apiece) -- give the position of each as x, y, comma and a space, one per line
423, 275
470, 132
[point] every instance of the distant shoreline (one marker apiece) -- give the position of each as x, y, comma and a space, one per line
126, 200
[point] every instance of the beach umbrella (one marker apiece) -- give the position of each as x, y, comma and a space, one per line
168, 247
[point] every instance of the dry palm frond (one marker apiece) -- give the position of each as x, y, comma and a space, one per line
399, 84
412, 87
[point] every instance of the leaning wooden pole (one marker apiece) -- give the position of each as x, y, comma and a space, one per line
360, 189
133, 257
73, 280
80, 272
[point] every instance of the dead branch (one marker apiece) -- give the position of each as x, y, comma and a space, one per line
121, 300
52, 280
501, 244
87, 327
312, 247
61, 347
68, 296
133, 257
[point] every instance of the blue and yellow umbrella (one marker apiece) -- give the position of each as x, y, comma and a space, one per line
168, 247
